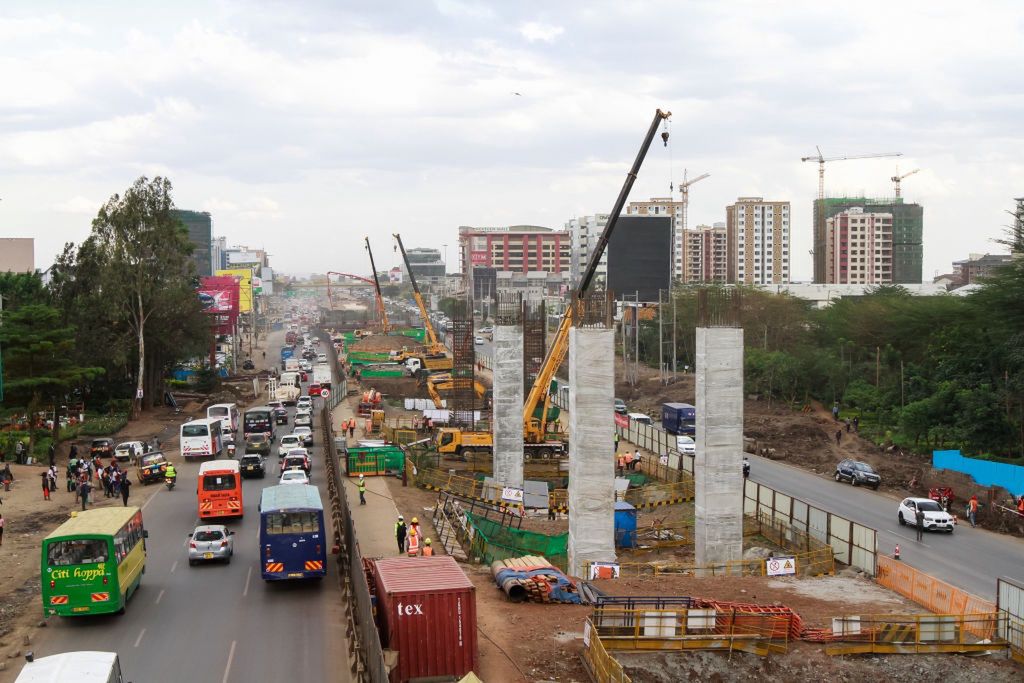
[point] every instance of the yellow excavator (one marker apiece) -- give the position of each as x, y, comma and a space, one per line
442, 383
434, 358
543, 436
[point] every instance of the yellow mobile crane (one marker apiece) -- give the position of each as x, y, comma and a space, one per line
435, 358
541, 435
385, 326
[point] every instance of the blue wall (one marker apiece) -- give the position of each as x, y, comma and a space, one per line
985, 472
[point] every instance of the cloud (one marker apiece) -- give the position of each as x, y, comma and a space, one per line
535, 31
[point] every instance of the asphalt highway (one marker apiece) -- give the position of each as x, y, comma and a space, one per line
971, 559
216, 622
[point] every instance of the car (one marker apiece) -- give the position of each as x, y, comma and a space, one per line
293, 477
686, 445
280, 415
252, 465
257, 442
305, 433
479, 341
124, 452
620, 406
248, 364
210, 542
857, 473
935, 518
296, 461
288, 442
303, 418
315, 389
304, 363
486, 330
304, 403
151, 467
101, 447
321, 357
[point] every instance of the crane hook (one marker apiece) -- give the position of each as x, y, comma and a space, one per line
664, 137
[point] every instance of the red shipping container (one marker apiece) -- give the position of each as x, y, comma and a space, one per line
426, 610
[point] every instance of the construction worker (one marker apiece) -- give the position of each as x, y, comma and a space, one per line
361, 485
415, 525
400, 532
427, 550
972, 509
413, 541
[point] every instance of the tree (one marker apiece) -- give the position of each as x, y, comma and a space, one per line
38, 358
144, 248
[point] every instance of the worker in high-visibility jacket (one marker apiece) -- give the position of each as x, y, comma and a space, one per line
412, 543
427, 549
361, 486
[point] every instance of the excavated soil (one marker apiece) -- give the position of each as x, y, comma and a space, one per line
379, 342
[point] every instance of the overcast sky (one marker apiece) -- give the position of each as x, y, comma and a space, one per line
302, 126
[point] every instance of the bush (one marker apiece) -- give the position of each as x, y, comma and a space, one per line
103, 426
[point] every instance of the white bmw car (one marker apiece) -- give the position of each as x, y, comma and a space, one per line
935, 518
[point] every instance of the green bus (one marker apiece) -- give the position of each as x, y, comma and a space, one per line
92, 563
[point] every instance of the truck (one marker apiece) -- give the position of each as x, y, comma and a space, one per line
322, 375
286, 353
452, 441
422, 364
678, 418
288, 389
291, 365
290, 337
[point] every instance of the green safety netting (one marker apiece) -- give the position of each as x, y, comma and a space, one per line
492, 541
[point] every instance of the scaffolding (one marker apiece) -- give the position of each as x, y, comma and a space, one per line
534, 341
463, 401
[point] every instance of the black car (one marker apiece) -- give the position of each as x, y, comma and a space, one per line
257, 443
858, 473
248, 364
253, 465
102, 447
281, 415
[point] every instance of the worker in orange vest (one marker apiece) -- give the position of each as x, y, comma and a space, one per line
427, 550
413, 542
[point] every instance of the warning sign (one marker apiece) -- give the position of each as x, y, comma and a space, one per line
780, 566
325, 393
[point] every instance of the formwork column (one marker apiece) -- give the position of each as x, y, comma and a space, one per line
718, 465
508, 405
591, 457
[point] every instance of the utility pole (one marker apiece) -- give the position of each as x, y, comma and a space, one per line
675, 349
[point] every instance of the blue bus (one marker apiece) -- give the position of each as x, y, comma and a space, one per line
293, 538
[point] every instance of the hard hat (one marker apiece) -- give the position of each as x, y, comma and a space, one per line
401, 517
426, 542
415, 520
360, 476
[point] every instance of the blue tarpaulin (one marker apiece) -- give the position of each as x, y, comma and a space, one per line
985, 472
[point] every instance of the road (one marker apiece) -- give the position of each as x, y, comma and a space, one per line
215, 622
971, 559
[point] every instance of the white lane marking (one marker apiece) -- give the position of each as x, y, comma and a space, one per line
146, 504
247, 578
139, 639
908, 539
174, 566
231, 657
160, 597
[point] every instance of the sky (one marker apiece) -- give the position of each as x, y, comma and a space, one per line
304, 125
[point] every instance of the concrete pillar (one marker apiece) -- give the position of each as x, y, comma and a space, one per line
718, 466
591, 457
508, 405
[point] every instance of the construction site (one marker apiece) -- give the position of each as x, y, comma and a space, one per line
588, 563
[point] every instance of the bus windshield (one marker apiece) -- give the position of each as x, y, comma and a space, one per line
195, 430
215, 411
296, 522
77, 551
260, 419
220, 482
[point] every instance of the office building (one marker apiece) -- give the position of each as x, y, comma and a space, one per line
585, 232
427, 266
758, 234
665, 206
200, 233
17, 255
705, 254
907, 234
640, 257
973, 269
859, 248
519, 248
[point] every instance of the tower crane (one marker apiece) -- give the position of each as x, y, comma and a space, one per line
821, 159
384, 324
897, 178
684, 189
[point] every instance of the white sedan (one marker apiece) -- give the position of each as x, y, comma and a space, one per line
686, 445
288, 442
935, 518
294, 477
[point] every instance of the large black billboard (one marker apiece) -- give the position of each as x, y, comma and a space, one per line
640, 256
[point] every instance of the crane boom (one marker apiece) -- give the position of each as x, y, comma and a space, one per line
534, 423
385, 325
435, 347
897, 179
821, 159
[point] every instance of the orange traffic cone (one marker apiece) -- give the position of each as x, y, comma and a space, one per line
896, 552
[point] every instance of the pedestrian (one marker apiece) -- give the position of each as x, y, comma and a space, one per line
835, 411
920, 522
71, 473
52, 476
19, 452
856, 423
73, 454
413, 543
1, 529
115, 483
428, 550
839, 436
634, 460
105, 478
52, 452
46, 484
7, 476
126, 484
622, 463
361, 485
400, 532
616, 442
83, 492
972, 509
848, 425
351, 427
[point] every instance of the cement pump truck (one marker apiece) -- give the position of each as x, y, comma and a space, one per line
543, 436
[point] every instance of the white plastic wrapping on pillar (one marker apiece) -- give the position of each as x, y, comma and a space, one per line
718, 464
591, 446
508, 405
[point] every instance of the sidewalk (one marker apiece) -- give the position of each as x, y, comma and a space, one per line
375, 521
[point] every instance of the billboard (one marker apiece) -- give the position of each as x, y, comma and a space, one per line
244, 287
219, 296
267, 275
640, 257
395, 275
239, 259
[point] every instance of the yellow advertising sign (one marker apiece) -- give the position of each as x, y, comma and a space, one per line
244, 287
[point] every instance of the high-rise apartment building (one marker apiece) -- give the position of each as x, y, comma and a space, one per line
907, 234
665, 206
706, 254
758, 241
584, 232
200, 233
859, 248
517, 248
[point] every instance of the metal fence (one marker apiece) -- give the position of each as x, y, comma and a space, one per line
1010, 603
602, 666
